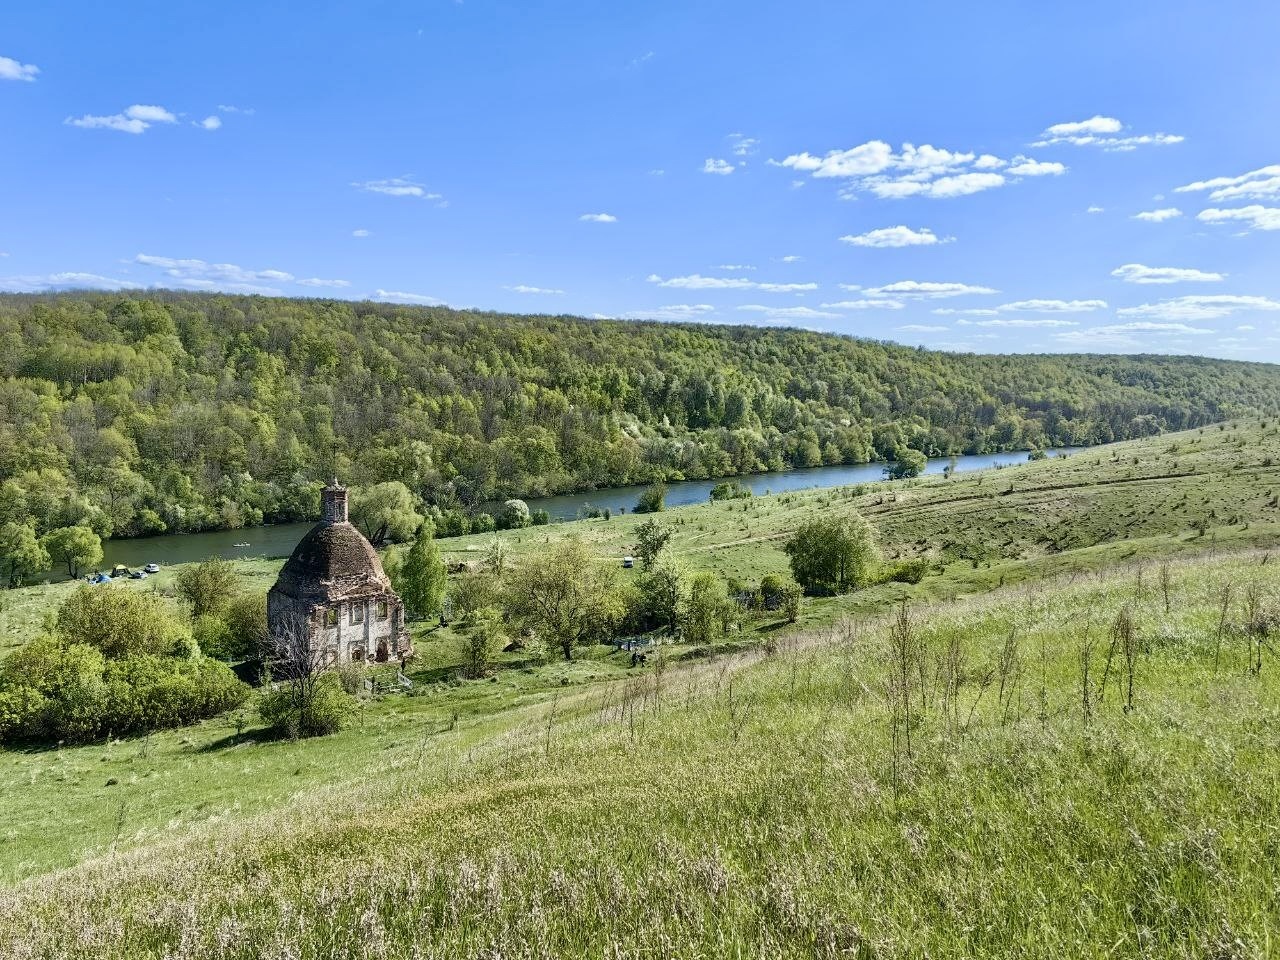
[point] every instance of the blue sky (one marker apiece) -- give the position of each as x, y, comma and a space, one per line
989, 176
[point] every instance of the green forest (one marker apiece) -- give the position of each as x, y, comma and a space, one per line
139, 413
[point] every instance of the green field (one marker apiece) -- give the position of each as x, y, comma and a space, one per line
739, 802
757, 805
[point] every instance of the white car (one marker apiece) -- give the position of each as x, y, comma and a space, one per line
152, 568
628, 562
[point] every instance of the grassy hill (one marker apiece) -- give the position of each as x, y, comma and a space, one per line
951, 784
430, 783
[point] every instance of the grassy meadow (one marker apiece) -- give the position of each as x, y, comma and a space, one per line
1084, 767
757, 799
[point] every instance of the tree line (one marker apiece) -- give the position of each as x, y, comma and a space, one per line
129, 414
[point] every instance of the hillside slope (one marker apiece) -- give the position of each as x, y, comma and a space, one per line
1085, 767
154, 411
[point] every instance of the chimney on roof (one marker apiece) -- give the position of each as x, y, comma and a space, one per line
333, 501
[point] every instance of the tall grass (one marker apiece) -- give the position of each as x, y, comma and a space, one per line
771, 805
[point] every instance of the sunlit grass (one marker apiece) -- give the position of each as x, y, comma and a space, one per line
760, 805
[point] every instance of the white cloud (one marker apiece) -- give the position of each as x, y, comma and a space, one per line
675, 312
956, 185
925, 171
1198, 307
1101, 132
927, 289
317, 282
228, 108
638, 61
1053, 306
1094, 208
1026, 167
1094, 125
11, 69
150, 114
1027, 306
1019, 322
134, 119
68, 280
869, 304
899, 236
721, 167
399, 296
1253, 217
525, 288
210, 123
791, 258
698, 282
922, 328
599, 218
1158, 216
788, 313
1260, 184
361, 233
397, 187
199, 274
1138, 273
734, 266
742, 146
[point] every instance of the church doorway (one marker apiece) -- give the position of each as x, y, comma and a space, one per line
382, 651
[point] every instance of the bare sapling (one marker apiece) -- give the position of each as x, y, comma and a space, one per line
1008, 668
1166, 585
1223, 610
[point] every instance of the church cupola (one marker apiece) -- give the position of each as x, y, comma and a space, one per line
333, 501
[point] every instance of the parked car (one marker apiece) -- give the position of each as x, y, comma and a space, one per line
628, 562
138, 575
151, 568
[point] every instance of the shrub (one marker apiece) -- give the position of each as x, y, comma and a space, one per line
120, 621
705, 610
730, 490
909, 571
653, 499
833, 554
540, 518
246, 620
207, 586
56, 691
326, 710
514, 515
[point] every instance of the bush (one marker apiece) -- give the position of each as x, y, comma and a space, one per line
246, 620
705, 610
540, 518
324, 709
653, 499
482, 523
207, 586
833, 554
730, 490
55, 691
910, 463
120, 621
514, 515
909, 571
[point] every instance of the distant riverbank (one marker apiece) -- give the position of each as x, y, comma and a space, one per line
278, 540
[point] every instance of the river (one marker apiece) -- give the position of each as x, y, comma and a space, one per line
278, 540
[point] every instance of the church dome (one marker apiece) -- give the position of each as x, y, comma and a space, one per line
332, 561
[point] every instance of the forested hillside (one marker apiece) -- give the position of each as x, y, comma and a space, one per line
139, 413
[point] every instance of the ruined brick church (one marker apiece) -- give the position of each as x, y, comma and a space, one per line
334, 590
